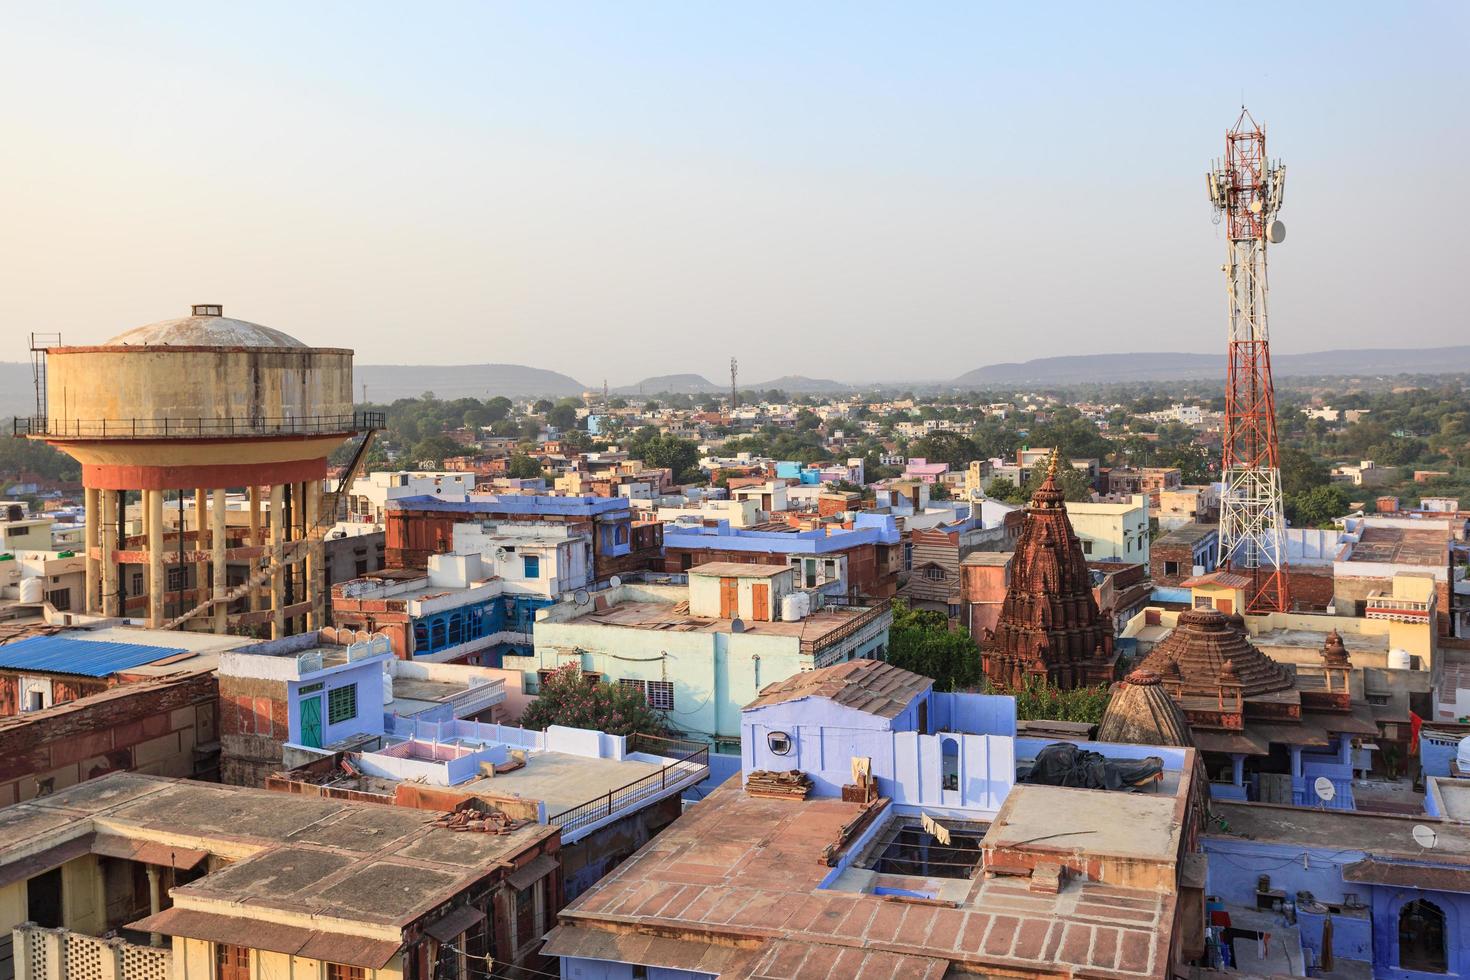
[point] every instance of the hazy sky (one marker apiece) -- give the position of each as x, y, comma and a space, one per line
896, 191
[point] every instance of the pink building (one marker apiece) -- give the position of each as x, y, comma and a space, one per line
919, 468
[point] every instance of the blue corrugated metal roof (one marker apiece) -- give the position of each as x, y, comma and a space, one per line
89, 658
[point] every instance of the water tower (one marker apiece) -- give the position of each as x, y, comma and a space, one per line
201, 405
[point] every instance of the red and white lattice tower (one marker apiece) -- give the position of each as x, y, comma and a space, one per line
1245, 189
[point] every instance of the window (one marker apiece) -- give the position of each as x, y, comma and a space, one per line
361, 567
341, 704
1171, 568
175, 579
1203, 602
60, 598
779, 742
336, 971
1087, 547
949, 764
934, 574
231, 962
531, 566
635, 684
136, 585
661, 695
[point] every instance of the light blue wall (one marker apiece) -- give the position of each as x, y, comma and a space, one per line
367, 675
1388, 902
575, 968
909, 766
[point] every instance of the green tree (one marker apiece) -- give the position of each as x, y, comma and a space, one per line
564, 417
1316, 507
434, 449
523, 467
1072, 481
924, 642
498, 408
943, 446
666, 451
542, 406
569, 698
1004, 489
1300, 472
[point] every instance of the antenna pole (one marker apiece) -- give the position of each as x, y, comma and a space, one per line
1245, 188
734, 387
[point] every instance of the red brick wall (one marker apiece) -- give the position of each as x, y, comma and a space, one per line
151, 726
1310, 588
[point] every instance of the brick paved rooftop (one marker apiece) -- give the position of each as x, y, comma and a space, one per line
743, 872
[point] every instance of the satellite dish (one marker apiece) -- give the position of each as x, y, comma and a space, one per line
1425, 837
500, 554
1324, 789
581, 597
615, 581
977, 495
737, 626
1276, 234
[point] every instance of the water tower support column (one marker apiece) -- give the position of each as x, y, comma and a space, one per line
156, 582
315, 553
201, 566
109, 554
220, 584
93, 502
255, 539
278, 554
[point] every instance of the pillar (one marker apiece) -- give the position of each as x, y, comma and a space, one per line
277, 555
217, 540
109, 545
1296, 761
93, 503
316, 550
155, 888
201, 565
156, 581
255, 542
1237, 769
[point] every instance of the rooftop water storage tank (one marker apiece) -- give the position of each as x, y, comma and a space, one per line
1462, 757
1398, 659
791, 607
32, 590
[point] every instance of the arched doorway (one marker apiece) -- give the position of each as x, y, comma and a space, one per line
1422, 938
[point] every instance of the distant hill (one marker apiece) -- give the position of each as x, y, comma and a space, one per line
17, 390
799, 383
1165, 366
671, 384
388, 382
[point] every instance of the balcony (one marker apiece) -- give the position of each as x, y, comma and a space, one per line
197, 428
1397, 609
60, 954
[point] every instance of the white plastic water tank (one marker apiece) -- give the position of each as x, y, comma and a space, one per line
791, 607
387, 688
1462, 755
32, 589
1398, 659
805, 599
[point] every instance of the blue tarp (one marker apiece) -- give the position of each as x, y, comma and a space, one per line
89, 658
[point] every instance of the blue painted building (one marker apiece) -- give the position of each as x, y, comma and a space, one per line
1397, 907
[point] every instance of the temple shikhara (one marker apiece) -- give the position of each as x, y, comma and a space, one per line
1050, 627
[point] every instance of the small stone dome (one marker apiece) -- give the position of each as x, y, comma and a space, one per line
207, 326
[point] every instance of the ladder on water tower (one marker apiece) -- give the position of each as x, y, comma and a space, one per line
39, 343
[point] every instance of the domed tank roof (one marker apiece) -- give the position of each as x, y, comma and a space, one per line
207, 326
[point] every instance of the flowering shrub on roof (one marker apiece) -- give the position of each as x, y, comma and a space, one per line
571, 698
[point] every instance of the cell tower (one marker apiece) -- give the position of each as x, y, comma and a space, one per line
1246, 189
734, 390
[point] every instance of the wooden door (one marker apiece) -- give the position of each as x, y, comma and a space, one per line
760, 600
729, 598
1224, 605
231, 962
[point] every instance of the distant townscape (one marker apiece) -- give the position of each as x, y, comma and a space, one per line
1120, 666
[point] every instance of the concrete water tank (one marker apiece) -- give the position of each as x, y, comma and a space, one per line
791, 607
1398, 659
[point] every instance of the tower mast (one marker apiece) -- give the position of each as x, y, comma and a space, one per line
734, 390
1245, 189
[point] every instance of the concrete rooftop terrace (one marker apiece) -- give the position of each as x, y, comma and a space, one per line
331, 859
812, 629
1401, 546
1382, 834
739, 869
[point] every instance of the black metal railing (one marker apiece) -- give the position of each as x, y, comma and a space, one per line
199, 427
695, 758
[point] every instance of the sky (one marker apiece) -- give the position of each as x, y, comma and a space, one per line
864, 192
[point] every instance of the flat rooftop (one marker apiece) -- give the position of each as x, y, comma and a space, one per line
359, 862
676, 617
1401, 546
737, 867
1314, 639
1339, 830
1136, 825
